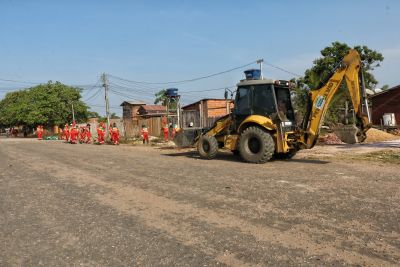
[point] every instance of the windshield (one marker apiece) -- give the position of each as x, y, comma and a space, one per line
264, 103
255, 99
284, 102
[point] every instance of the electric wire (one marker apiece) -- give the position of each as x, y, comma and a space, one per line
187, 80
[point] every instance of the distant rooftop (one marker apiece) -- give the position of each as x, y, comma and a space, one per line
154, 108
133, 103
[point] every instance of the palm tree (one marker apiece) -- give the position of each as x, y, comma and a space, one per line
161, 97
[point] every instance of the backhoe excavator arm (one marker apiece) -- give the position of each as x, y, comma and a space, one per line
350, 70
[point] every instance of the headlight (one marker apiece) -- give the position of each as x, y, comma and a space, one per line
286, 123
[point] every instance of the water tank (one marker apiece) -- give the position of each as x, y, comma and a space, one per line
172, 92
389, 119
253, 74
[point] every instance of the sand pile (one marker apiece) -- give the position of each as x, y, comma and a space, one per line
375, 135
396, 132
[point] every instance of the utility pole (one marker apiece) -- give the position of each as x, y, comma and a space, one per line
260, 61
105, 85
73, 112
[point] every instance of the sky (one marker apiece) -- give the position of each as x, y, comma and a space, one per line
161, 41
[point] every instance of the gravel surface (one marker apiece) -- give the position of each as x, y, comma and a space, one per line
90, 205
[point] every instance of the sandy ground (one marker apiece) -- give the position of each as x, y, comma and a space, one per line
88, 205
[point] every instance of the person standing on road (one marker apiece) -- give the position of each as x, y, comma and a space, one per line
145, 134
88, 134
114, 134
39, 131
166, 130
100, 133
74, 134
66, 133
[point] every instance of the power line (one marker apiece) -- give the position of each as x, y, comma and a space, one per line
15, 81
207, 90
131, 89
282, 69
125, 95
188, 80
96, 94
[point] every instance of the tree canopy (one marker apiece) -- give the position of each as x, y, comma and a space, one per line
332, 56
47, 104
161, 97
323, 68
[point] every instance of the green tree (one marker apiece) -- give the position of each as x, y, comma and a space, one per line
161, 97
93, 114
322, 70
385, 87
48, 104
114, 116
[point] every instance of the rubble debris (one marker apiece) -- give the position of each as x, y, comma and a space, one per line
331, 139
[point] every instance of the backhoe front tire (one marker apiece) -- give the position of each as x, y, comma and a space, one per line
207, 147
256, 145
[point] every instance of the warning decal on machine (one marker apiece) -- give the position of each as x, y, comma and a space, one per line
320, 102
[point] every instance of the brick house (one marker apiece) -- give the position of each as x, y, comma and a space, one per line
205, 112
130, 109
387, 101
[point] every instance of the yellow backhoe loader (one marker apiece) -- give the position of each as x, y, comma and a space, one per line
262, 123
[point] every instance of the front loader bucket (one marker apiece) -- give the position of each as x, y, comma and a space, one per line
186, 137
349, 134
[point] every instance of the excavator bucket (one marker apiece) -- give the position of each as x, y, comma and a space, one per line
349, 134
186, 137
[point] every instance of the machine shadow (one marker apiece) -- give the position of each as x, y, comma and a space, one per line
227, 156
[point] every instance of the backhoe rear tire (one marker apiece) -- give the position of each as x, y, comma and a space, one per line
256, 145
207, 147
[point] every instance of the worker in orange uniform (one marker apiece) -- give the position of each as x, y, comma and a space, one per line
74, 133
114, 131
82, 134
145, 134
166, 130
100, 133
39, 131
66, 132
173, 132
88, 139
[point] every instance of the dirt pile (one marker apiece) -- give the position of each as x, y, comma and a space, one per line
375, 135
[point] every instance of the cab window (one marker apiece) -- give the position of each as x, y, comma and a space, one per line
243, 101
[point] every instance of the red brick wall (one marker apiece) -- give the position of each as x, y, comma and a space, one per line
386, 103
216, 108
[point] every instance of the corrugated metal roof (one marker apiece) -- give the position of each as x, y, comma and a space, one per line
137, 103
386, 91
205, 99
154, 108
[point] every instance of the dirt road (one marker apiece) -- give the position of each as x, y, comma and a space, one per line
88, 205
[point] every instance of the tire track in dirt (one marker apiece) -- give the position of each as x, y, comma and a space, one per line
152, 208
254, 210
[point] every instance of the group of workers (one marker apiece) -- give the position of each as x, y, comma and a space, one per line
74, 134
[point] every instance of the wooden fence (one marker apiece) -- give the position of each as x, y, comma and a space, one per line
155, 124
133, 127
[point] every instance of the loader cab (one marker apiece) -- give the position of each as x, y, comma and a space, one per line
263, 97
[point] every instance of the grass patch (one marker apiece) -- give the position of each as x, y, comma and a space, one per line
392, 156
